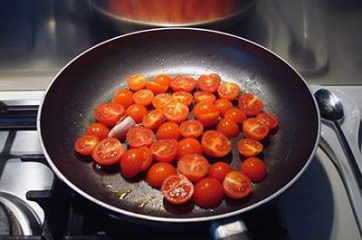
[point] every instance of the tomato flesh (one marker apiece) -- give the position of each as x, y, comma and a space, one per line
109, 113
153, 119
193, 166
164, 150
84, 145
254, 129
207, 113
208, 193
183, 83
183, 97
176, 112
268, 119
228, 91
200, 96
139, 136
143, 97
237, 185
215, 144
146, 156
136, 82
209, 83
156, 88
250, 104
223, 105
161, 100
177, 189
108, 151
191, 129
249, 147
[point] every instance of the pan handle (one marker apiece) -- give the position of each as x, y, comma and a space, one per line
229, 230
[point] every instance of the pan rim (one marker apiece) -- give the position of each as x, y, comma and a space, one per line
174, 219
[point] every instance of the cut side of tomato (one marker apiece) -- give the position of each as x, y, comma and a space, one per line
228, 90
161, 100
153, 119
136, 112
183, 97
268, 119
176, 112
201, 96
254, 168
254, 129
223, 105
215, 144
139, 136
208, 193
108, 151
207, 113
163, 79
193, 166
249, 147
209, 83
219, 170
237, 185
156, 88
177, 189
191, 129
109, 113
158, 173
98, 129
164, 150
183, 83
250, 104
136, 82
146, 156
84, 145
143, 97
188, 146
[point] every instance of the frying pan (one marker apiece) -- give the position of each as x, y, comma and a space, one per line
93, 76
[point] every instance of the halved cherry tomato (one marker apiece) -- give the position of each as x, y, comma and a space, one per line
183, 97
254, 168
84, 145
109, 113
156, 88
176, 112
164, 150
146, 156
131, 163
168, 130
223, 105
123, 97
268, 119
183, 83
161, 100
108, 151
235, 115
208, 193
143, 96
207, 113
219, 170
254, 129
228, 127
163, 79
249, 147
228, 90
177, 189
188, 146
158, 173
215, 144
250, 104
209, 83
236, 185
191, 129
138, 136
201, 96
153, 119
136, 112
193, 166
136, 82
98, 129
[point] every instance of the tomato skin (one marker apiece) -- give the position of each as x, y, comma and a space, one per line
161, 100
153, 119
168, 130
143, 97
201, 96
183, 83
223, 105
215, 144
138, 136
177, 189
268, 119
108, 151
164, 150
236, 185
176, 112
158, 173
208, 193
207, 113
131, 163
227, 127
193, 166
209, 83
163, 79
254, 168
109, 113
188, 146
191, 129
123, 97
183, 97
98, 129
84, 145
219, 170
156, 88
250, 104
235, 115
146, 156
228, 90
136, 112
249, 147
136, 82
254, 129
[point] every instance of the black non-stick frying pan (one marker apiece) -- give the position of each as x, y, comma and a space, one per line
93, 76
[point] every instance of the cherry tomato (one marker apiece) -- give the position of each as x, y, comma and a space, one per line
191, 129
207, 113
163, 79
108, 151
143, 97
98, 129
162, 100
228, 127
177, 189
158, 173
228, 90
209, 83
268, 119
176, 112
131, 163
84, 145
235, 115
109, 113
223, 105
250, 104
168, 130
254, 168
136, 112
183, 83
249, 147
201, 96
153, 119
164, 150
146, 156
219, 170
215, 144
138, 136
188, 146
208, 193
123, 97
236, 185
136, 82
156, 88
193, 166
254, 129
183, 97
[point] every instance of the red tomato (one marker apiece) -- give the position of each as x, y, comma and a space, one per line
158, 173
209, 83
143, 97
188, 146
123, 97
108, 151
176, 112
168, 130
215, 144
183, 97
98, 129
146, 156
183, 83
163, 79
250, 104
193, 166
254, 129
208, 193
249, 147
84, 145
164, 150
228, 90
138, 136
219, 170
109, 113
153, 119
223, 105
177, 189
207, 113
228, 127
162, 100
201, 96
136, 112
136, 82
191, 129
235, 115
156, 88
131, 163
254, 168
268, 119
236, 185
